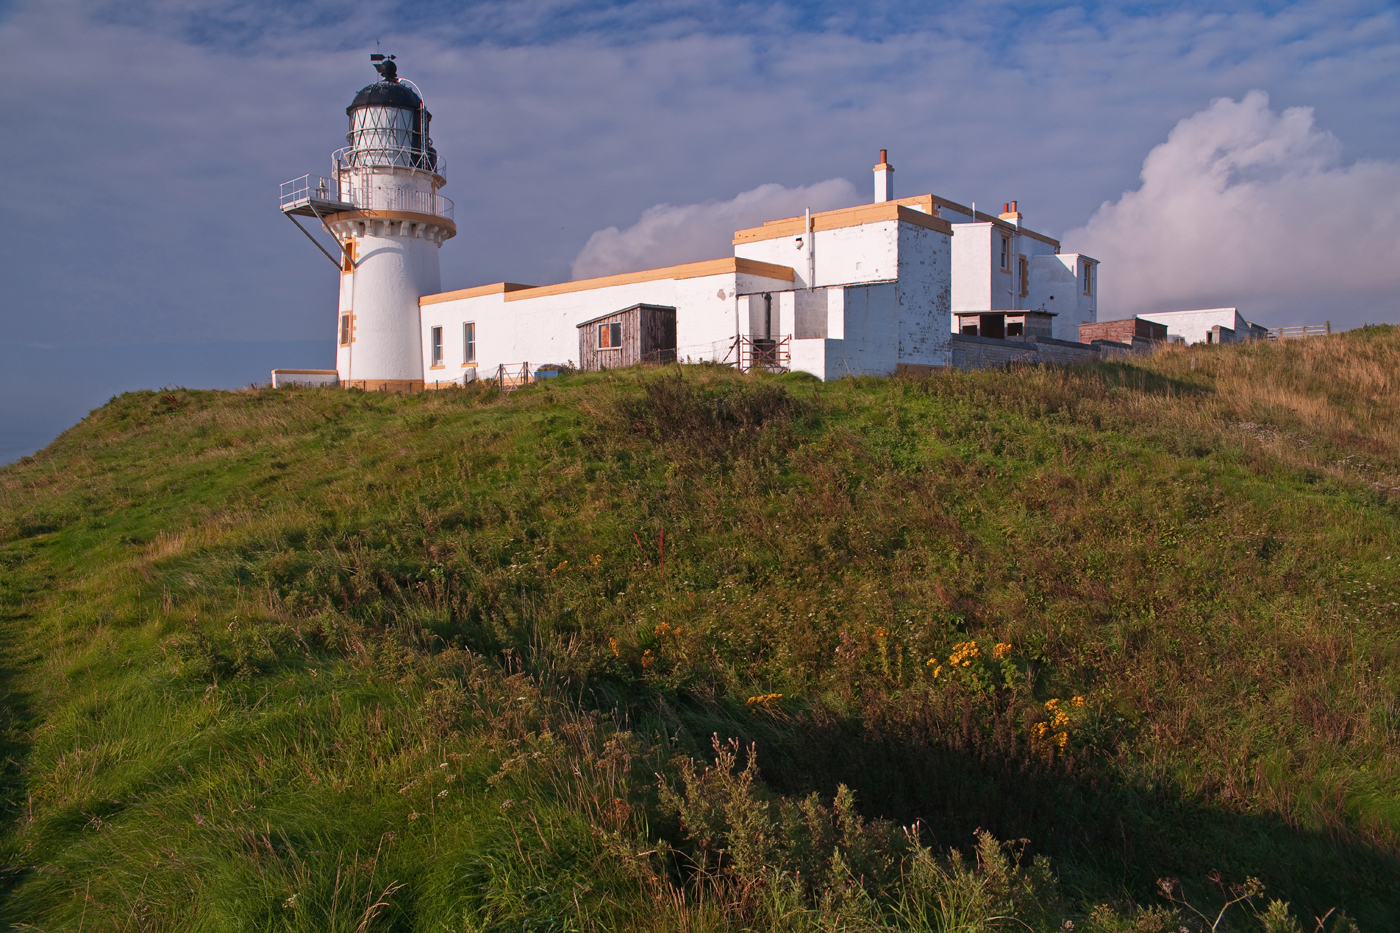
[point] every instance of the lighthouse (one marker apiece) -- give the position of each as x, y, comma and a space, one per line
381, 205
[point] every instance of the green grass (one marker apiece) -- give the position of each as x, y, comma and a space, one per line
670, 649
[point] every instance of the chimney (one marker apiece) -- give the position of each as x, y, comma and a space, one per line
884, 178
1009, 212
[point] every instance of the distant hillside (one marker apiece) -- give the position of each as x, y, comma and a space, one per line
675, 649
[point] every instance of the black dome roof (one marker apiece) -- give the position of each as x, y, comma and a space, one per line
386, 94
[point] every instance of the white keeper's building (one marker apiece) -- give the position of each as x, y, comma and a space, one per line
900, 284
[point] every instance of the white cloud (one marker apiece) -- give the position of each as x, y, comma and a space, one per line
1248, 207
668, 234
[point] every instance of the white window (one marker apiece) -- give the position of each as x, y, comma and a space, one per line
345, 330
437, 346
1006, 254
609, 336
469, 343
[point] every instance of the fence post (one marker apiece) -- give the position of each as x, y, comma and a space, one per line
1329, 328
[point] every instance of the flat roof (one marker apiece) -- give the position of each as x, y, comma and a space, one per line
690, 270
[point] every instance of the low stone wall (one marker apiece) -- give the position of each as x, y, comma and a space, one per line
981, 352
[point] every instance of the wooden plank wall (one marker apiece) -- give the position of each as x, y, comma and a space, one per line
648, 335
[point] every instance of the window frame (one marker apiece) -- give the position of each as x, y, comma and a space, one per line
608, 329
1025, 269
1006, 254
347, 328
435, 346
1088, 278
468, 343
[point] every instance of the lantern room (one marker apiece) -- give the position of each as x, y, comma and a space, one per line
389, 125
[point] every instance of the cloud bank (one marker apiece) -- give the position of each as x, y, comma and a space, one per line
1244, 206
668, 234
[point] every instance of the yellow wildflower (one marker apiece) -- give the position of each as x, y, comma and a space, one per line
1062, 740
1001, 652
767, 700
937, 670
1077, 702
963, 654
1052, 705
648, 659
617, 651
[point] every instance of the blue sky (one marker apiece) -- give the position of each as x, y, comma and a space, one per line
147, 140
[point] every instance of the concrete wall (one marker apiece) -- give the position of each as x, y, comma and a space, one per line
871, 326
982, 352
924, 296
971, 257
1056, 286
1192, 326
845, 255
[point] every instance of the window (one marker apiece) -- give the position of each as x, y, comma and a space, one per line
345, 330
437, 346
1006, 254
468, 343
609, 336
1088, 277
347, 258
1025, 277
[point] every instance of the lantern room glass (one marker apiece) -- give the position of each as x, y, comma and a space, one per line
389, 136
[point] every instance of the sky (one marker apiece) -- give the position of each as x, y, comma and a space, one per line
1208, 154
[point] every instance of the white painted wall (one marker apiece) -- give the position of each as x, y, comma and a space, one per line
545, 329
1192, 326
1057, 286
845, 255
396, 264
924, 296
971, 278
871, 344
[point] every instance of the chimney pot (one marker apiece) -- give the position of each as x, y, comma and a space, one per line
1013, 207
884, 156
1006, 207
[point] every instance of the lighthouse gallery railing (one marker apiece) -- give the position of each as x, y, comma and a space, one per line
334, 195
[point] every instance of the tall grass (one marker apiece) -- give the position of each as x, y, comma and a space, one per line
679, 649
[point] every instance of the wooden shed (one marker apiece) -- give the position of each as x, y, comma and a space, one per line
638, 334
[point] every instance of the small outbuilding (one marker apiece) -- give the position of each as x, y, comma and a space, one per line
641, 333
1000, 325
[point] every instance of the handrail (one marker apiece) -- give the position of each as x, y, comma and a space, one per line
351, 157
365, 197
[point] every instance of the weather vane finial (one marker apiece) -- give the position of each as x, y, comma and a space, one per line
384, 64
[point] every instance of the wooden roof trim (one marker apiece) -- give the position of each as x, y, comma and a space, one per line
497, 288
990, 219
728, 265
846, 217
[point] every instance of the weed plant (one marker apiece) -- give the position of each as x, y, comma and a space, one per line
1106, 648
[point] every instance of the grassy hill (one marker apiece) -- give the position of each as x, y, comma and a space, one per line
680, 649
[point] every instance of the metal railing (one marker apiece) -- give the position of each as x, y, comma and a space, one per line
306, 188
364, 196
427, 160
749, 353
1303, 330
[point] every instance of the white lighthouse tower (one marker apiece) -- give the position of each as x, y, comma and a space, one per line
382, 207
